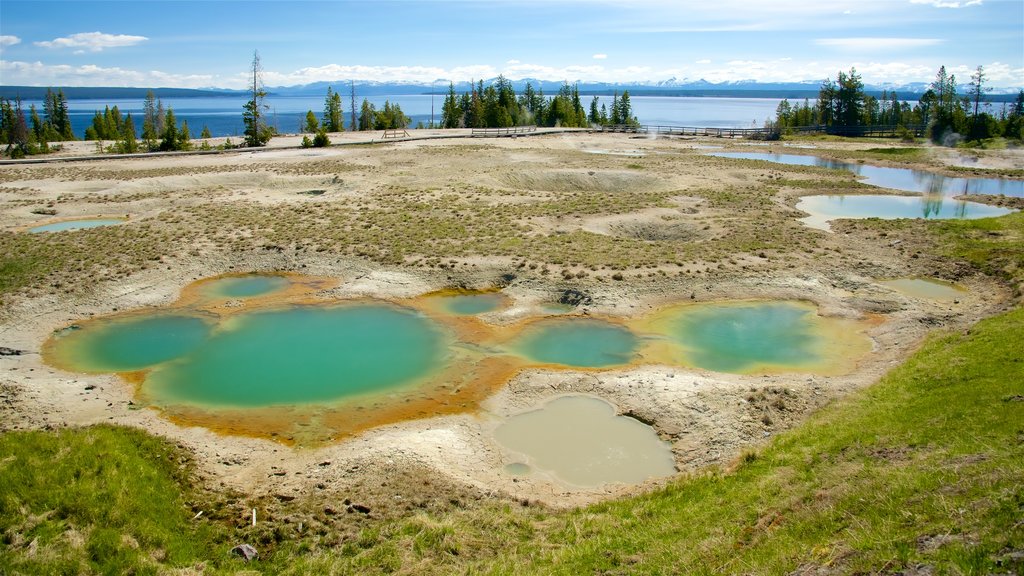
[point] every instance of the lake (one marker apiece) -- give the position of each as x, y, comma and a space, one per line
223, 115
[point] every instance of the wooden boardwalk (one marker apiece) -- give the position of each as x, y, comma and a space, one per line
499, 132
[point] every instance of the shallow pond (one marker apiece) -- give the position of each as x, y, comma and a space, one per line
823, 209
927, 288
130, 343
905, 179
246, 286
472, 303
745, 337
581, 441
296, 355
69, 225
578, 342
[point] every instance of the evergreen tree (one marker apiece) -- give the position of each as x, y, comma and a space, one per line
615, 119
390, 117
169, 139
849, 99
127, 143
626, 110
946, 116
312, 124
150, 134
784, 114
205, 134
161, 115
451, 113
62, 120
980, 128
595, 114
14, 130
184, 137
1014, 124
827, 103
257, 132
332, 112
20, 143
366, 116
579, 113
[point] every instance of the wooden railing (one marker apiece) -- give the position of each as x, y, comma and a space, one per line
498, 132
396, 133
886, 131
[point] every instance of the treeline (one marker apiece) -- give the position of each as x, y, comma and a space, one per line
947, 115
498, 106
161, 131
23, 137
390, 116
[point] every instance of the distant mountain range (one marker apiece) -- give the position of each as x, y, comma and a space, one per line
670, 87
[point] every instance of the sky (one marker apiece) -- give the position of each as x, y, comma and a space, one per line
210, 43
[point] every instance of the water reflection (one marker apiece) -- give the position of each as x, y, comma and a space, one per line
905, 179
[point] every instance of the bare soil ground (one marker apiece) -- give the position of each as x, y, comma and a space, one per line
631, 223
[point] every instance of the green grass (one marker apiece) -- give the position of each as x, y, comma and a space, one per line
933, 454
924, 468
95, 500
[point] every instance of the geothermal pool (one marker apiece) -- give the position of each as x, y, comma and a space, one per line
926, 288
906, 179
69, 225
581, 441
263, 355
245, 286
936, 200
824, 209
578, 342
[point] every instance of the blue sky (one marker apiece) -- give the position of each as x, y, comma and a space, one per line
210, 43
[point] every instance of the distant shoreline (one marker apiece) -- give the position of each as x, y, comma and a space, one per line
36, 93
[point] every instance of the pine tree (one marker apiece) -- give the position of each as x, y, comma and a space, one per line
946, 114
161, 116
366, 116
849, 99
626, 110
451, 113
169, 139
184, 137
150, 134
979, 125
257, 132
126, 142
63, 119
332, 112
312, 124
19, 138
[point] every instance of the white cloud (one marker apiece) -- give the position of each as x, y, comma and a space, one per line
948, 3
703, 61
93, 41
876, 44
600, 56
511, 62
39, 74
7, 40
